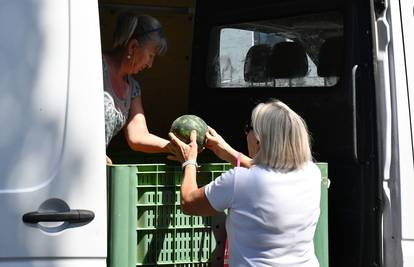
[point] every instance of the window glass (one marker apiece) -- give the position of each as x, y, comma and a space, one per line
303, 51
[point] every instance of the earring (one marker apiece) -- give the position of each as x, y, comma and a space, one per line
129, 57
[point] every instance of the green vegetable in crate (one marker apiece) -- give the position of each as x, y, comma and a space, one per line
183, 126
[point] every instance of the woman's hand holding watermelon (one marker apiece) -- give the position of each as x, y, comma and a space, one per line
224, 151
219, 146
182, 151
193, 200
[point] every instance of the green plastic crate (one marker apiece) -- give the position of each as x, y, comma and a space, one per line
320, 239
148, 228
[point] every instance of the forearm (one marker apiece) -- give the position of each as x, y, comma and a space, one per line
230, 155
245, 161
188, 187
147, 142
137, 134
193, 199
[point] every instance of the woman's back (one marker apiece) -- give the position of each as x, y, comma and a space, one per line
272, 215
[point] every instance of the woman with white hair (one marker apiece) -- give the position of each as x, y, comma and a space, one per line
272, 201
138, 39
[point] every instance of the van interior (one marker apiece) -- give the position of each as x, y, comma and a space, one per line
316, 56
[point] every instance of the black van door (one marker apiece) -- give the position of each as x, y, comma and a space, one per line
316, 56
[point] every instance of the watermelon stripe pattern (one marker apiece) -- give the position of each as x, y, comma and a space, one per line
183, 126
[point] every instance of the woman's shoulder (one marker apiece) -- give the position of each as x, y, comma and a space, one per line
311, 168
255, 170
135, 87
133, 81
235, 173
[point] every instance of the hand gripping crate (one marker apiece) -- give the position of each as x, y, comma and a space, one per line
147, 226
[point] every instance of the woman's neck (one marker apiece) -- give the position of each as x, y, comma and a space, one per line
117, 76
117, 62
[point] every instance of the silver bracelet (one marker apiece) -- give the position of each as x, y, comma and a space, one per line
189, 162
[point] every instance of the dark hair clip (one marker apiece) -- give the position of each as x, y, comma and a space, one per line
153, 30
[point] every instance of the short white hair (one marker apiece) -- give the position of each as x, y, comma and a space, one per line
283, 137
143, 28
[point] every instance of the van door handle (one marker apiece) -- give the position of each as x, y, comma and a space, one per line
72, 216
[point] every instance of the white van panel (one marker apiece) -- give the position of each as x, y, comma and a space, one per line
32, 115
403, 41
407, 10
52, 143
408, 249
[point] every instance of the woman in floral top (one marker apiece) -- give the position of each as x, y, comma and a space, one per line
137, 40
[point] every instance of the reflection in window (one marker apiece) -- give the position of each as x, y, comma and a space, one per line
234, 45
303, 51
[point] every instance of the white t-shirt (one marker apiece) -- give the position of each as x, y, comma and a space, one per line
272, 216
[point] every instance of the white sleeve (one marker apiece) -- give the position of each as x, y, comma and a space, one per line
220, 191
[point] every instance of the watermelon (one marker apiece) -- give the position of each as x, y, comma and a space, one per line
183, 126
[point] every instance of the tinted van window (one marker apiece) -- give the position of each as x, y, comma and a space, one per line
303, 51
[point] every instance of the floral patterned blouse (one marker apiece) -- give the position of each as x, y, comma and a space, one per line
116, 109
